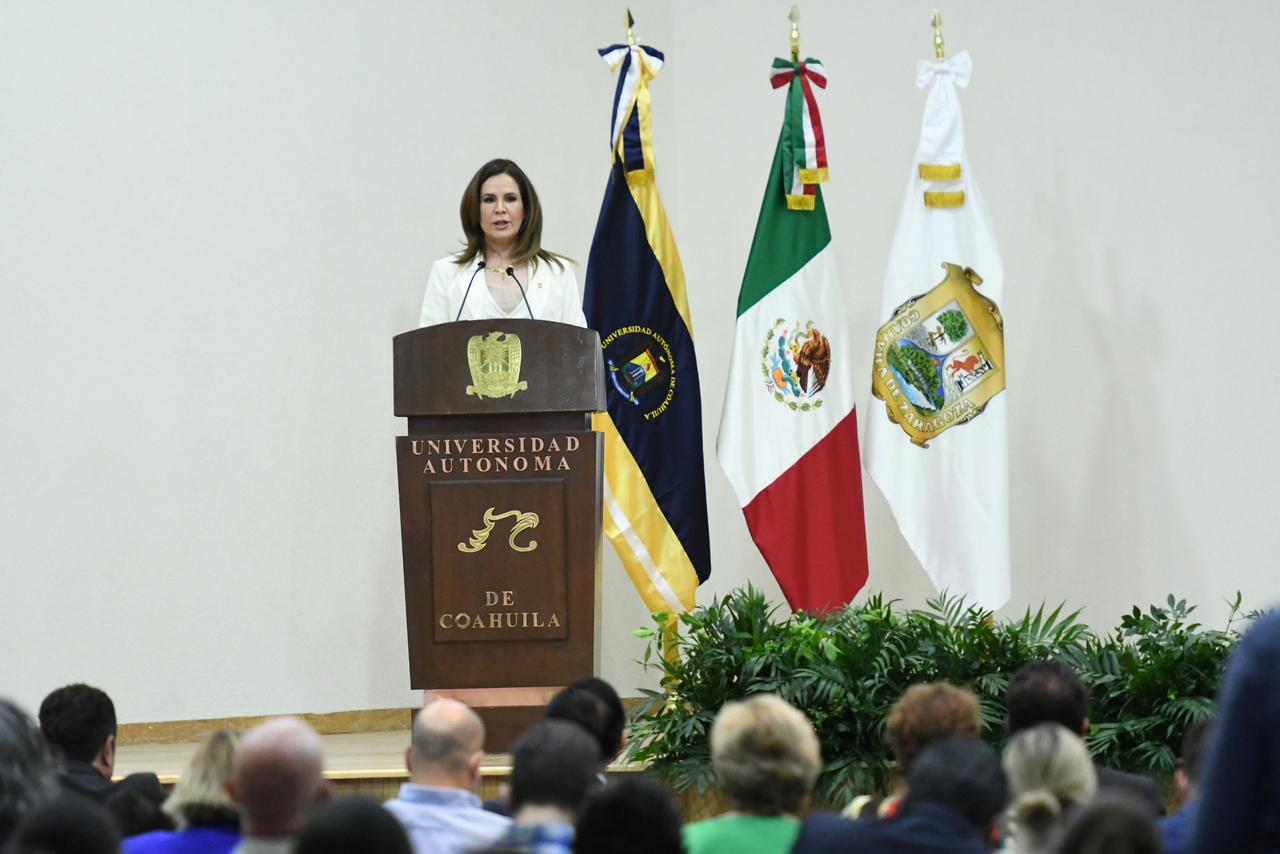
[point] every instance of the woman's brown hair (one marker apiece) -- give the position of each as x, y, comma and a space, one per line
929, 712
528, 239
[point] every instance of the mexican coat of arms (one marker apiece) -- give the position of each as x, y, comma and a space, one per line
495, 365
795, 362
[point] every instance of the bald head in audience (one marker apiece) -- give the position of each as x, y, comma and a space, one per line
277, 776
448, 744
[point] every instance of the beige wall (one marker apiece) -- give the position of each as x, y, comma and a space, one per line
214, 216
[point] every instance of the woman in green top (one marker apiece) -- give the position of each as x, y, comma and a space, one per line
766, 758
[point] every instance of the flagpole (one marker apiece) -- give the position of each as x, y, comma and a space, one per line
794, 17
937, 34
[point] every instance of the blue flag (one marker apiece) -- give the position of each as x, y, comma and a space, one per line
655, 491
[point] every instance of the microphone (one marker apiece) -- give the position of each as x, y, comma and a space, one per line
511, 271
479, 267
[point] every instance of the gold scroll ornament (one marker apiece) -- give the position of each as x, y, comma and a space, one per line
480, 536
940, 358
495, 365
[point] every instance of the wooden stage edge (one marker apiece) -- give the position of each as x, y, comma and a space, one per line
505, 711
332, 723
370, 763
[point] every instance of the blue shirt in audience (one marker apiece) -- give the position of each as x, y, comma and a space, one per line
539, 838
442, 820
197, 839
1176, 829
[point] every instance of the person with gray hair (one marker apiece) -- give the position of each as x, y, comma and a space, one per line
1050, 774
28, 768
277, 778
766, 757
439, 807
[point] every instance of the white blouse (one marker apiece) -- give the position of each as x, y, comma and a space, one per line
552, 293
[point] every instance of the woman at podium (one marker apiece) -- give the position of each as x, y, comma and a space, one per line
503, 272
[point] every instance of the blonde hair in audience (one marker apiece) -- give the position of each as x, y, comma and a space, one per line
1049, 770
765, 754
199, 796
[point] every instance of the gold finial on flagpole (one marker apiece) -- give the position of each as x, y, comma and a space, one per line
629, 22
937, 33
794, 17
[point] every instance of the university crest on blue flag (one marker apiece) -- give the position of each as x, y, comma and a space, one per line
655, 486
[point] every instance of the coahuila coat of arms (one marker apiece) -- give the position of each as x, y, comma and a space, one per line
940, 358
495, 365
795, 362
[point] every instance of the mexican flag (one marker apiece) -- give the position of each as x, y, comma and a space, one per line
788, 432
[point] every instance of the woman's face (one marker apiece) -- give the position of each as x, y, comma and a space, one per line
501, 210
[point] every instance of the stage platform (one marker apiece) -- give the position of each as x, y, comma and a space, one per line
367, 762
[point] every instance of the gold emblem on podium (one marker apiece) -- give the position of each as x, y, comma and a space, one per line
495, 365
480, 536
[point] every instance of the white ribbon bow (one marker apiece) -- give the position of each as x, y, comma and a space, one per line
959, 67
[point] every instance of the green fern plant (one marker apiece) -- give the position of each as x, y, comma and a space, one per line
1149, 680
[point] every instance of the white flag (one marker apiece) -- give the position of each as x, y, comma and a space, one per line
937, 444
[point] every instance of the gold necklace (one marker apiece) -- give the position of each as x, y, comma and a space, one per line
502, 270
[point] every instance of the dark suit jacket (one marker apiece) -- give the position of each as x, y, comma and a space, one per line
925, 828
83, 779
1143, 791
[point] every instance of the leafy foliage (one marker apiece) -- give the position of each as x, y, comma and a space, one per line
1152, 678
917, 368
1150, 682
954, 324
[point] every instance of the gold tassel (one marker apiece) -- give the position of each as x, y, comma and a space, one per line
800, 203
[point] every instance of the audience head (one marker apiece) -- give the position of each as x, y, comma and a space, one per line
277, 776
553, 764
28, 768
352, 825
68, 824
448, 744
593, 705
1111, 826
200, 795
1044, 691
963, 774
766, 755
139, 810
1049, 770
926, 713
80, 721
1195, 746
631, 816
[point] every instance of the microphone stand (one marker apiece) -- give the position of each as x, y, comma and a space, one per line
511, 271
479, 267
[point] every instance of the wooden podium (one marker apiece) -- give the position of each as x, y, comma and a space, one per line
501, 481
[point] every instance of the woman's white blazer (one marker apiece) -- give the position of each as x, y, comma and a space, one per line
553, 295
